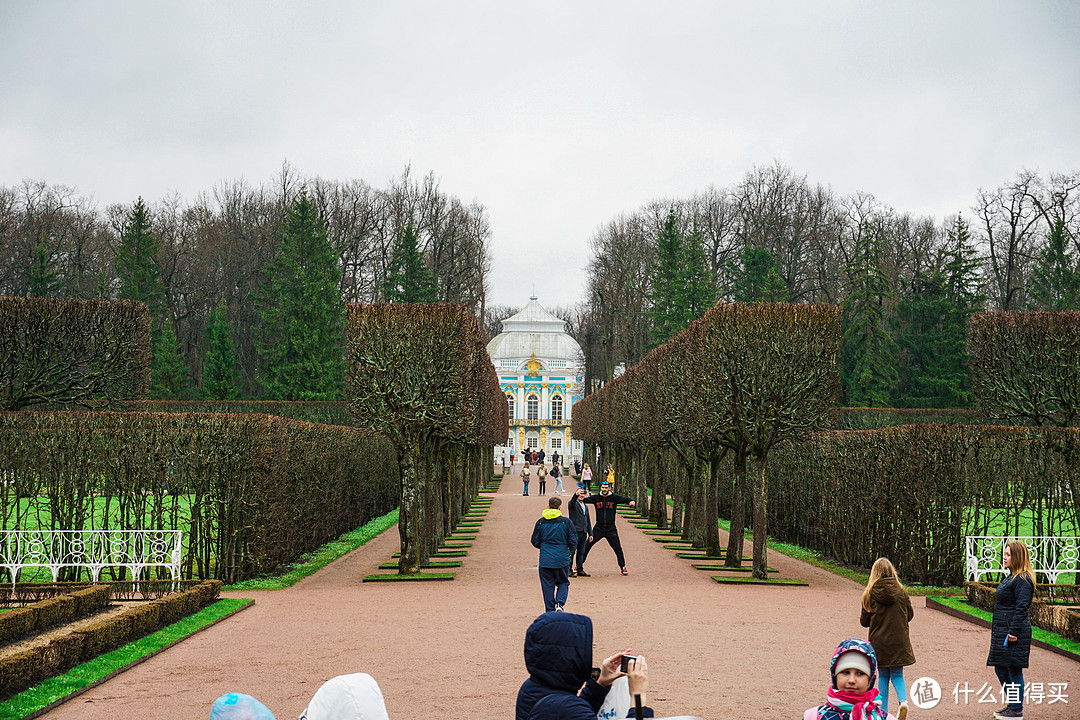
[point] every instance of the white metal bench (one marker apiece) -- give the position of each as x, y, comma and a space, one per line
95, 550
1050, 556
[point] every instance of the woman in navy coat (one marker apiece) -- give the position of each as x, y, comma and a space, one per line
1010, 631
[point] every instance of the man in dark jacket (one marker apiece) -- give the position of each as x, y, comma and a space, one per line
556, 538
558, 656
604, 527
578, 512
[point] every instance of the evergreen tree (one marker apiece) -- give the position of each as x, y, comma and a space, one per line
408, 278
41, 277
140, 279
682, 287
219, 367
755, 278
868, 368
931, 328
1055, 282
301, 341
168, 374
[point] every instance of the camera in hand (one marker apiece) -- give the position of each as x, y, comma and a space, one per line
626, 662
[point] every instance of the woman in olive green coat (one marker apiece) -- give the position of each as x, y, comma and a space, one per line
886, 610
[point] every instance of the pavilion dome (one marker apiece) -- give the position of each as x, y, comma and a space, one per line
533, 331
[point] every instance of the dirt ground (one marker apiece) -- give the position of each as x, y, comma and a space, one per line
453, 649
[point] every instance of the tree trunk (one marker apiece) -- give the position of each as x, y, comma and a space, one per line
411, 506
698, 478
733, 558
672, 470
758, 475
712, 501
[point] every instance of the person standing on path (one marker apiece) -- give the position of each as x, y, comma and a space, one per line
604, 528
540, 457
579, 516
556, 539
541, 477
525, 477
1010, 628
886, 610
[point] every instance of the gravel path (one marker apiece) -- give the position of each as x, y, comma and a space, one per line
454, 649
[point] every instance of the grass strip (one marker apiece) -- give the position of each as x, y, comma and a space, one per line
318, 559
1053, 640
725, 568
429, 564
442, 553
37, 700
725, 580
418, 577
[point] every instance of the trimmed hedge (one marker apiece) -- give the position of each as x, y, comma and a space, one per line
911, 493
860, 418
30, 667
326, 412
251, 492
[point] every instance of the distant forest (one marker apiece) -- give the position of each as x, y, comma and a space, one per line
907, 283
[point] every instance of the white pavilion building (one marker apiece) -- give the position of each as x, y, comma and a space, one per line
540, 371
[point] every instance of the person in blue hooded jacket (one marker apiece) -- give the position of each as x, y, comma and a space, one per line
560, 686
556, 538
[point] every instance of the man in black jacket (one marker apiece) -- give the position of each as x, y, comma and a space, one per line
604, 527
579, 516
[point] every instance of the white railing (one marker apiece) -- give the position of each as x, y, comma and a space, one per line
95, 550
1050, 556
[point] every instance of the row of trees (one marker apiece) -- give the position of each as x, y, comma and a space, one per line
219, 267
420, 375
728, 388
907, 284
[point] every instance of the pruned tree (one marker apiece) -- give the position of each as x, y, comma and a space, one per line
62, 353
1025, 366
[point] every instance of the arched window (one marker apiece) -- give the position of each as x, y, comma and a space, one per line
556, 408
510, 404
532, 408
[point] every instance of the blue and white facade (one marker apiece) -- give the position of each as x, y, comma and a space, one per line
540, 371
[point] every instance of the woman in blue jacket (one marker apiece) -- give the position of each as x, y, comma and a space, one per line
1010, 629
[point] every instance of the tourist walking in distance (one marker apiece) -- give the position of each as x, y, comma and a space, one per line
557, 474
541, 477
556, 539
586, 479
578, 513
604, 527
886, 610
1010, 628
525, 477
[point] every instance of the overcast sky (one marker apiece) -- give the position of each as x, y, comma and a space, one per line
557, 116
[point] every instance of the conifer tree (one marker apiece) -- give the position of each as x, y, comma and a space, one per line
931, 328
301, 341
408, 278
219, 367
42, 278
140, 279
868, 368
755, 278
1055, 281
168, 374
682, 287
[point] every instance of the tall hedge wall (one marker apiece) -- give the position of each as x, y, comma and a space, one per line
327, 412
911, 493
250, 491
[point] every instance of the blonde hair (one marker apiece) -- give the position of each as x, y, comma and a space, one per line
882, 568
1020, 561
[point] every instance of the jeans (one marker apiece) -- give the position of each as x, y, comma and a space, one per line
558, 484
555, 584
582, 541
896, 675
526, 490
1012, 676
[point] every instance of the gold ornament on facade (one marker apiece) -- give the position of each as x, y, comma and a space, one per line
533, 366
